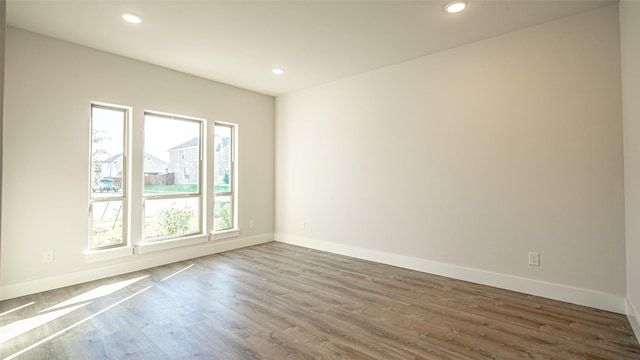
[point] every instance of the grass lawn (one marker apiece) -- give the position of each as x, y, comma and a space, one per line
180, 188
175, 188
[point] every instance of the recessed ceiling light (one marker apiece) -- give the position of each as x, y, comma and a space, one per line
278, 71
131, 18
456, 6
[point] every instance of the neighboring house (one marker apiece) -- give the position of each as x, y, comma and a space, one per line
184, 161
112, 167
154, 165
222, 152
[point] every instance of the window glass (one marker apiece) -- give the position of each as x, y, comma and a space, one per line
108, 223
108, 177
171, 155
171, 217
224, 177
172, 168
107, 148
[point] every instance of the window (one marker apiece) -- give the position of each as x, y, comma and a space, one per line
172, 177
108, 208
224, 177
172, 166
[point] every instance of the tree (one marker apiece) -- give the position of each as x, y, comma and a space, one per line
99, 153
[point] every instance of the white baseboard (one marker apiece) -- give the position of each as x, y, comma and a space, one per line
595, 299
133, 263
634, 318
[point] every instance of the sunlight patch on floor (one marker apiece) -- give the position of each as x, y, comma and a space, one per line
100, 291
16, 309
22, 326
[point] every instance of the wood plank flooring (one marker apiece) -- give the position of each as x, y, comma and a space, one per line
277, 301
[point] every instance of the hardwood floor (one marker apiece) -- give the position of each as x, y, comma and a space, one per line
277, 301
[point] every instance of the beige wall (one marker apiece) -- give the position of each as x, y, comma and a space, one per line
49, 87
3, 8
469, 159
630, 38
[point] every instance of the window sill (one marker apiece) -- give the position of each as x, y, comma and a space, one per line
107, 254
172, 244
225, 234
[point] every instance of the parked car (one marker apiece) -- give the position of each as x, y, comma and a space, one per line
105, 185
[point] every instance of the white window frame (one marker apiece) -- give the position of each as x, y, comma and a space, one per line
206, 198
153, 243
124, 198
233, 231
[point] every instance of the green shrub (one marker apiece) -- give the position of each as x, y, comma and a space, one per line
175, 221
223, 218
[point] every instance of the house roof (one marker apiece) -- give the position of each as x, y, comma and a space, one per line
223, 143
147, 156
187, 144
196, 141
112, 158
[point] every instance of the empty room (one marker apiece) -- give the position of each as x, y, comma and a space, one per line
428, 179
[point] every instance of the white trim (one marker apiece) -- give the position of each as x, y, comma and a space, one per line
220, 235
135, 263
634, 318
595, 299
107, 254
237, 243
152, 246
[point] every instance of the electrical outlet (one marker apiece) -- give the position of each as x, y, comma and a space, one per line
251, 224
534, 259
47, 256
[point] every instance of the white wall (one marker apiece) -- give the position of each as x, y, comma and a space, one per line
49, 87
630, 38
462, 162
